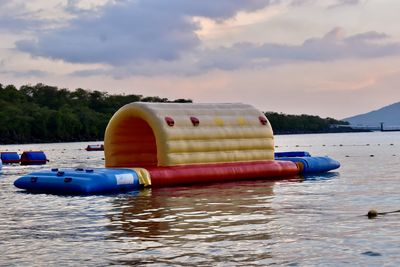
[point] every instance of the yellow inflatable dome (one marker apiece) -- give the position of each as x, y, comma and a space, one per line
173, 134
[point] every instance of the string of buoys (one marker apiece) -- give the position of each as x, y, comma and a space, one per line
335, 145
369, 156
346, 145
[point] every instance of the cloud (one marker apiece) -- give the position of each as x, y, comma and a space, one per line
23, 73
89, 72
14, 16
127, 31
329, 3
334, 45
339, 3
348, 2
151, 37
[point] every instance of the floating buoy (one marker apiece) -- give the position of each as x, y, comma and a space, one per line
10, 157
95, 148
372, 214
33, 158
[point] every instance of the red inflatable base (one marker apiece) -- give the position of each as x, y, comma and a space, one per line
221, 172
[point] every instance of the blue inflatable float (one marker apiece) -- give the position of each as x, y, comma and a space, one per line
10, 157
80, 181
309, 164
279, 155
33, 158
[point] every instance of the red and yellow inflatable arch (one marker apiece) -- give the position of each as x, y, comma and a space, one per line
185, 143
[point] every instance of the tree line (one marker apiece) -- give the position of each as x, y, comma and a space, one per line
43, 113
298, 124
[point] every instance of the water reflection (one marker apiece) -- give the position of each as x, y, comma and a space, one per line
204, 219
320, 176
155, 212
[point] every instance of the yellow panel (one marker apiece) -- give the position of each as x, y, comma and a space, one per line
144, 176
241, 121
219, 121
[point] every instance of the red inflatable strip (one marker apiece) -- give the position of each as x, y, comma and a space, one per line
220, 172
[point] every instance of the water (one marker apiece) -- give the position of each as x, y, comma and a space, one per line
319, 221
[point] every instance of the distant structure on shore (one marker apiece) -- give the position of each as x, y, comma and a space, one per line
366, 128
383, 119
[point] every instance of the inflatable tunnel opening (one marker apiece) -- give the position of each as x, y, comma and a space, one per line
134, 145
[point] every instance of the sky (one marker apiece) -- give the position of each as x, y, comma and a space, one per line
331, 58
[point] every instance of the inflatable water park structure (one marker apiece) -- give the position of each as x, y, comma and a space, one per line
173, 144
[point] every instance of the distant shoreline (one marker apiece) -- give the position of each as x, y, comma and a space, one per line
322, 132
275, 133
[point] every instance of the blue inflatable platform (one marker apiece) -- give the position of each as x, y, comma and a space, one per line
107, 180
80, 181
307, 163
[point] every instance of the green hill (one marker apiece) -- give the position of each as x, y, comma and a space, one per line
43, 113
300, 124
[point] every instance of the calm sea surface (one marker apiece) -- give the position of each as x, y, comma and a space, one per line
315, 221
